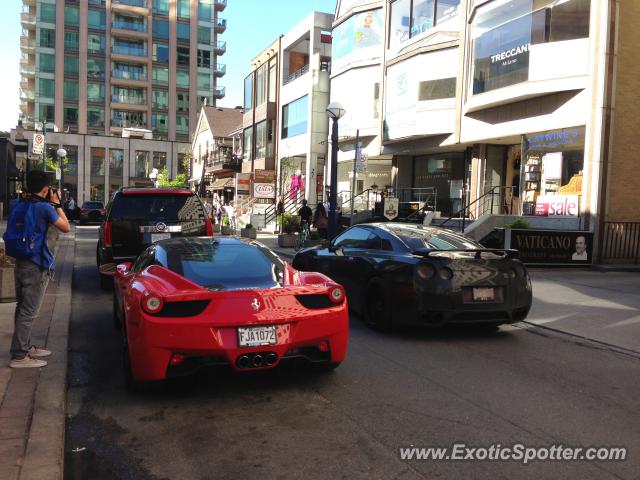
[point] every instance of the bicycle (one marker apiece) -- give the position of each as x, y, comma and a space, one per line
303, 234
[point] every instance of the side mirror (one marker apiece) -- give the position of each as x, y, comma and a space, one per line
123, 269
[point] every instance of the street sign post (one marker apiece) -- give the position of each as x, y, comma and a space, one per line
58, 173
38, 144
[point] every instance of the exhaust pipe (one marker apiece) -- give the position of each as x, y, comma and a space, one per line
258, 361
243, 361
271, 358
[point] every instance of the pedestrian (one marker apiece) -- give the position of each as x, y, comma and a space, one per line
320, 220
208, 208
305, 213
229, 210
34, 267
71, 208
220, 213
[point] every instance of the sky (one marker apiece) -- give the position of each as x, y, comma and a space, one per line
252, 25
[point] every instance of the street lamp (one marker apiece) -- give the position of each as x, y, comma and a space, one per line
335, 110
62, 153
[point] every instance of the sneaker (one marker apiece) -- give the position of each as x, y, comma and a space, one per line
26, 362
35, 352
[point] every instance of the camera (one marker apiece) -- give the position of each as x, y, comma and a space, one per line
52, 192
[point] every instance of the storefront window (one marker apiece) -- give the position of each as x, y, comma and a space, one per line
141, 165
439, 175
552, 165
116, 159
97, 161
159, 160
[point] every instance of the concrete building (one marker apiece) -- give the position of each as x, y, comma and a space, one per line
502, 107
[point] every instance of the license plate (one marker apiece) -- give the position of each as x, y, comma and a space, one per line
159, 236
484, 295
257, 336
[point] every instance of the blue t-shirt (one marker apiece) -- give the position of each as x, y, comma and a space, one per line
45, 216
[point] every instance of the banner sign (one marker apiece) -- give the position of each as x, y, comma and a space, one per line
552, 247
558, 206
264, 176
264, 190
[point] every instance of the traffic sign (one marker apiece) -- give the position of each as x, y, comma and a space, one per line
38, 144
58, 174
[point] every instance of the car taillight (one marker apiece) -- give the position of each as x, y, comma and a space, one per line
445, 273
209, 227
106, 239
336, 295
83, 210
425, 271
152, 302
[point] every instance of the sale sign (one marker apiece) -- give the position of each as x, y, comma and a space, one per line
558, 206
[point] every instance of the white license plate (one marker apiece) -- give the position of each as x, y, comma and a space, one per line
159, 236
257, 336
484, 295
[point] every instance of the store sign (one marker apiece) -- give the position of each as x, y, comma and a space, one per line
264, 176
243, 181
552, 246
357, 40
558, 206
555, 138
391, 205
264, 190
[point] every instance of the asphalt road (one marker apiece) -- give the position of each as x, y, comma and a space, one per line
425, 388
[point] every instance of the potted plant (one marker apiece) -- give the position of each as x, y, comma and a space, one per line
226, 226
289, 235
248, 231
314, 239
7, 283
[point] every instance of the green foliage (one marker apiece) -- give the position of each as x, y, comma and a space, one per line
51, 163
164, 181
289, 223
225, 221
518, 223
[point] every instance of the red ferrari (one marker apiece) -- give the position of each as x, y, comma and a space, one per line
188, 303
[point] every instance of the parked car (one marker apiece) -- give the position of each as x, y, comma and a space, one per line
137, 217
91, 212
396, 273
188, 303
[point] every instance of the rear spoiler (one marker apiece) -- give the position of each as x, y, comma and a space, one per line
507, 252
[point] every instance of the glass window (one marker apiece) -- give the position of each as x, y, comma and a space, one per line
182, 79
294, 118
70, 90
96, 193
422, 16
95, 117
161, 7
160, 99
70, 115
183, 55
46, 113
437, 89
170, 208
204, 58
159, 160
417, 238
128, 95
569, 20
47, 62
356, 237
97, 19
204, 81
128, 71
71, 65
116, 159
160, 52
376, 100
124, 118
183, 8
247, 149
204, 10
182, 124
400, 22
47, 12
141, 164
272, 81
160, 122
261, 85
261, 139
47, 88
95, 92
96, 43
71, 16
160, 28
48, 37
161, 75
129, 47
71, 41
182, 102
204, 35
97, 161
446, 9
248, 93
183, 31
95, 69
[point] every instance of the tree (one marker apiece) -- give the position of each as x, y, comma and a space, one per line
165, 181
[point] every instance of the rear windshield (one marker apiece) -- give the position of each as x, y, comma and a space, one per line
416, 238
224, 266
169, 208
92, 205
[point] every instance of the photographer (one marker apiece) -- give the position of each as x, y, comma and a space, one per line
32, 274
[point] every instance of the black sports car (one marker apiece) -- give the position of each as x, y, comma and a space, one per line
396, 273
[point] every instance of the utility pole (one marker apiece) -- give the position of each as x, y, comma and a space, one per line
356, 158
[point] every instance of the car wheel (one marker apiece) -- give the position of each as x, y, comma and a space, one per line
130, 383
106, 282
377, 308
116, 321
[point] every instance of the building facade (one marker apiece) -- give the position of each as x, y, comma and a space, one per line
497, 106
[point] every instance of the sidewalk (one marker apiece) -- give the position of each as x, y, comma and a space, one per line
32, 401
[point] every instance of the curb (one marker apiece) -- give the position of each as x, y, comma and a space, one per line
44, 455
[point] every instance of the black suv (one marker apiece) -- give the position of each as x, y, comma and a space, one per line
138, 217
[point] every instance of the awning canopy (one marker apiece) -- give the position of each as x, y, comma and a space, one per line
221, 184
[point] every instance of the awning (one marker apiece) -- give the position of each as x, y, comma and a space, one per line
221, 183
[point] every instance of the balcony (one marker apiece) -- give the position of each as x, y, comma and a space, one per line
139, 7
219, 69
297, 74
221, 25
26, 85
128, 29
27, 95
219, 92
27, 44
128, 78
220, 5
28, 70
28, 21
220, 47
129, 53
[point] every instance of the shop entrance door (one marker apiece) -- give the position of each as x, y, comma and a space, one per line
494, 177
